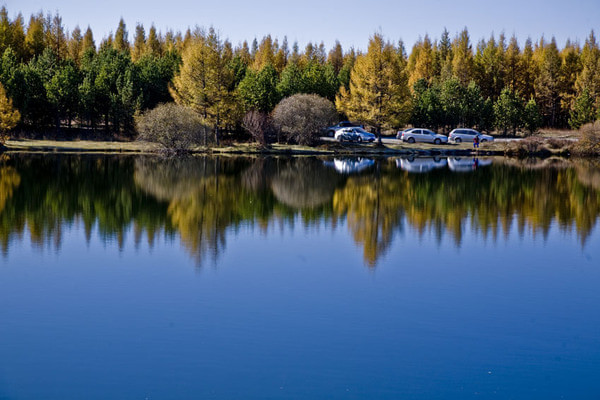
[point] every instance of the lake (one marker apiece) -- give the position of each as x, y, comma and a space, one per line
137, 277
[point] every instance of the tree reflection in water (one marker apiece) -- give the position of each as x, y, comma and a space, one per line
201, 199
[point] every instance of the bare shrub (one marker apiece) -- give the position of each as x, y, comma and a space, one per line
589, 142
173, 126
260, 127
527, 146
302, 117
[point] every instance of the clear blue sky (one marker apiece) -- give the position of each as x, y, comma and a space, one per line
349, 21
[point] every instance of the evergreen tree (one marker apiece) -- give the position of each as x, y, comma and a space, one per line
139, 43
56, 38
34, 39
547, 82
74, 45
378, 93
589, 78
63, 92
258, 90
512, 65
583, 110
508, 111
120, 42
291, 81
532, 120
462, 60
88, 42
153, 45
336, 57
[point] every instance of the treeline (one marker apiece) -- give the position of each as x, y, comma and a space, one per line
55, 77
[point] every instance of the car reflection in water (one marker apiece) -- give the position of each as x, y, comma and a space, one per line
420, 164
467, 164
428, 164
350, 165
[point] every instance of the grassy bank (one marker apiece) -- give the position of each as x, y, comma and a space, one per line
554, 145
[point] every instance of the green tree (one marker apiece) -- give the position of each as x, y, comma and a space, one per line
139, 43
583, 110
258, 90
291, 81
63, 92
532, 120
378, 93
508, 111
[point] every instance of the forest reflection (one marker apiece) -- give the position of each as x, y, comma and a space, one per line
201, 199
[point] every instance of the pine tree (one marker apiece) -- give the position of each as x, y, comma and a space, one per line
512, 65
120, 42
18, 37
258, 90
589, 78
34, 39
508, 111
583, 110
88, 42
532, 120
421, 66
265, 54
56, 38
139, 43
153, 43
547, 81
336, 57
75, 45
378, 93
462, 61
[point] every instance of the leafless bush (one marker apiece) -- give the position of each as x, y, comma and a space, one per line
173, 126
301, 117
589, 142
259, 125
527, 146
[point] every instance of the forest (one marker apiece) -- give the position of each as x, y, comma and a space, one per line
60, 80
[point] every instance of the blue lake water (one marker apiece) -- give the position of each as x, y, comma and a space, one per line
298, 278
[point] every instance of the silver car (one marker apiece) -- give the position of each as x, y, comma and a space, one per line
354, 134
467, 135
422, 135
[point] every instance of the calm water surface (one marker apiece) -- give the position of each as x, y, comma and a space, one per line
298, 278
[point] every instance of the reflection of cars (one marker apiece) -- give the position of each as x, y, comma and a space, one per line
352, 165
422, 135
358, 134
467, 135
344, 124
467, 164
420, 164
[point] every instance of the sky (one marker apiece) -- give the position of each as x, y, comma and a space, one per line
351, 22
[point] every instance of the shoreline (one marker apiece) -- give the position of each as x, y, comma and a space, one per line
324, 148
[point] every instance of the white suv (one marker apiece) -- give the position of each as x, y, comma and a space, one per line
467, 135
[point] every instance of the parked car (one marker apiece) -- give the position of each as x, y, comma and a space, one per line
467, 135
400, 133
359, 134
330, 131
422, 135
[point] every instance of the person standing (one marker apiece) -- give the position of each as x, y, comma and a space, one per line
476, 142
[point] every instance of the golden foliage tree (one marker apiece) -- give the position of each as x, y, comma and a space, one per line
205, 81
378, 94
9, 117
